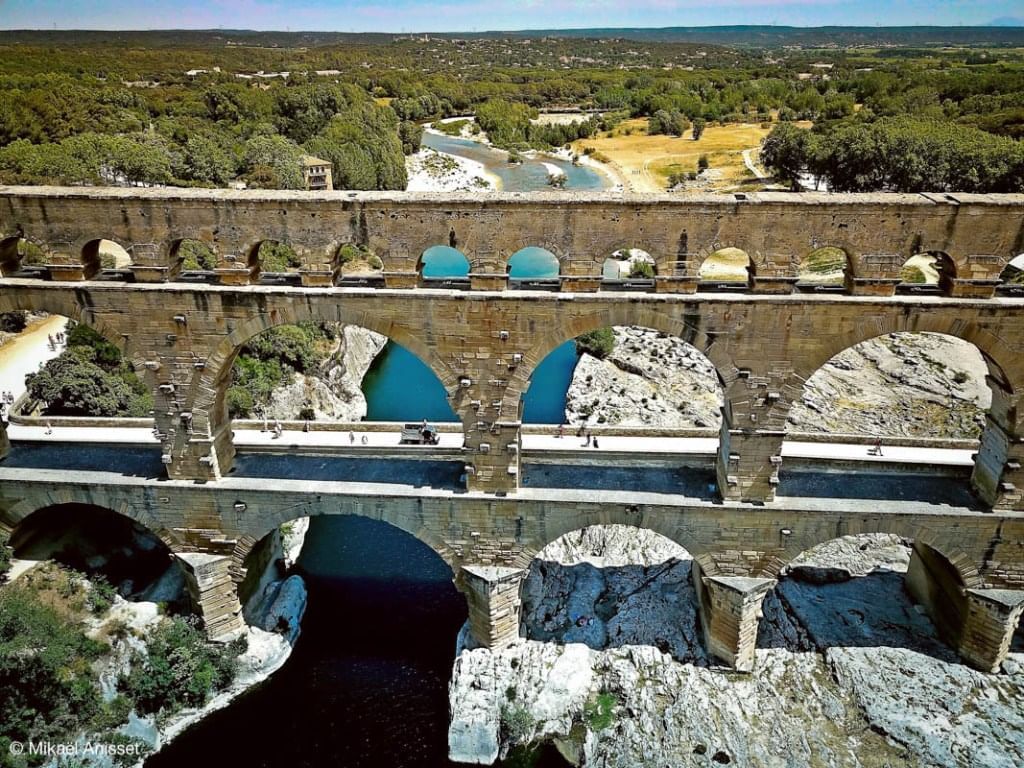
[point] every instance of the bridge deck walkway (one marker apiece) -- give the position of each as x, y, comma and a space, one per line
373, 443
810, 488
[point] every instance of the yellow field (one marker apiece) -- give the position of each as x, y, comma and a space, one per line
647, 161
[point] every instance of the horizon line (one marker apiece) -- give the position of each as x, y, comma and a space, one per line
523, 30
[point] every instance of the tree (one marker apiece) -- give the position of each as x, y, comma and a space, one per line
507, 123
207, 160
411, 135
274, 162
364, 149
599, 342
699, 124
784, 151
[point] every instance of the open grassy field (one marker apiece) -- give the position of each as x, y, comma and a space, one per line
648, 161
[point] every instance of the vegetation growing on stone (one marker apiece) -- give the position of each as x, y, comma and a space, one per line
599, 342
599, 711
269, 359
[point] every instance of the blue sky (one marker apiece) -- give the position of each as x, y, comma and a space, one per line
467, 15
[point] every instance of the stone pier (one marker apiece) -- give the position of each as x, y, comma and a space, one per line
978, 623
492, 593
730, 610
213, 594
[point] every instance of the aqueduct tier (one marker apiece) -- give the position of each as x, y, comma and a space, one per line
483, 335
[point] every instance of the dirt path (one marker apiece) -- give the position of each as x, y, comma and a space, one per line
24, 353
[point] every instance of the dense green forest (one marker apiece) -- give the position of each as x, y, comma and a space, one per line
209, 109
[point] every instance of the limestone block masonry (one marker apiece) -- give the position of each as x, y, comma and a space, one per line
484, 340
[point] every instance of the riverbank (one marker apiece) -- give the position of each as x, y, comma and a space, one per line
431, 171
612, 179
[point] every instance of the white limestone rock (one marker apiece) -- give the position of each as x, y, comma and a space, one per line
649, 379
334, 392
848, 674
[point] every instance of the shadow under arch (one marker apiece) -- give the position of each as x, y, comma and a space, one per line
860, 591
639, 592
405, 520
96, 539
616, 314
23, 510
211, 388
106, 257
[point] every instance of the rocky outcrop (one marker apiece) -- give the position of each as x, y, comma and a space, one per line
649, 379
849, 672
921, 385
335, 392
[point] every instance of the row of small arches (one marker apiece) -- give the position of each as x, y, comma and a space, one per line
823, 268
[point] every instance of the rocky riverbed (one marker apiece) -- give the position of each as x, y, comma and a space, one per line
848, 673
922, 385
334, 393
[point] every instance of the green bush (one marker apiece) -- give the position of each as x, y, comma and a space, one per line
179, 669
240, 402
517, 724
196, 256
6, 553
277, 257
101, 596
48, 688
599, 711
640, 269
13, 322
702, 163
599, 342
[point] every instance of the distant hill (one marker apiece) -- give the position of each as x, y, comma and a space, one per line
1005, 31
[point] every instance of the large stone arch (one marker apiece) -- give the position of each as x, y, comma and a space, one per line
209, 408
662, 523
274, 517
1005, 364
619, 313
76, 307
98, 497
946, 542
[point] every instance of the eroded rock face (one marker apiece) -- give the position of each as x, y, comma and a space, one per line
649, 379
909, 384
335, 392
849, 672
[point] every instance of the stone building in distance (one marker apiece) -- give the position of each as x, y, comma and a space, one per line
316, 173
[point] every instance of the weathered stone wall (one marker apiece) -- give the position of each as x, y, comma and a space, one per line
731, 539
980, 233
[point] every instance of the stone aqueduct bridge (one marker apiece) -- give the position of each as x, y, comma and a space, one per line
484, 343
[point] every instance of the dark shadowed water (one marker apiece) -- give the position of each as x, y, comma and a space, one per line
367, 683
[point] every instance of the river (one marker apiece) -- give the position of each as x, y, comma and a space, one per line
367, 684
